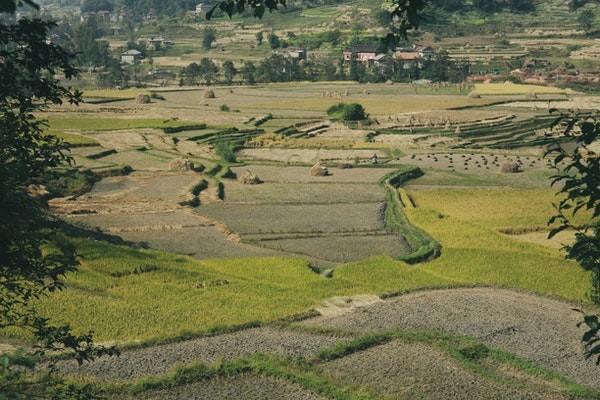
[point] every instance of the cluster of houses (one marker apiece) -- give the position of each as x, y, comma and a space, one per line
371, 55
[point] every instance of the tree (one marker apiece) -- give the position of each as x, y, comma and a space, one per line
249, 73
96, 5
382, 17
586, 20
27, 154
347, 112
208, 70
229, 71
274, 41
578, 176
259, 38
208, 37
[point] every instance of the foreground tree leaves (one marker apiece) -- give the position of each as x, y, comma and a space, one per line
578, 180
33, 259
405, 14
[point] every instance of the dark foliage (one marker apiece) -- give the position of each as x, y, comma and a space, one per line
32, 262
578, 178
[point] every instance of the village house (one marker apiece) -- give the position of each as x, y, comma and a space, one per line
365, 54
201, 10
102, 17
298, 54
131, 56
158, 43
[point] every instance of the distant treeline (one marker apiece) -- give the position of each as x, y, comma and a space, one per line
279, 68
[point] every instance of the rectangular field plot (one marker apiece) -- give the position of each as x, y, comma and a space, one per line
139, 160
199, 242
307, 193
302, 174
309, 156
138, 222
342, 249
143, 186
303, 218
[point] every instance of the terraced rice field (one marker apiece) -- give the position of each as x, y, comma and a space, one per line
380, 350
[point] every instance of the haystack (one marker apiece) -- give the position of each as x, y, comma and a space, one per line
209, 94
142, 99
474, 95
319, 170
181, 164
248, 178
457, 131
510, 168
37, 191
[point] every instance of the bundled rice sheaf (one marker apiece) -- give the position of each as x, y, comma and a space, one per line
474, 95
209, 94
249, 178
510, 168
181, 164
142, 99
319, 170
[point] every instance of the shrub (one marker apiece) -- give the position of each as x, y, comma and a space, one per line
225, 150
224, 108
347, 112
228, 174
221, 191
199, 187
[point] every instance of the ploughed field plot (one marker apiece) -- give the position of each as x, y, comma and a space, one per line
250, 387
331, 218
301, 193
378, 351
302, 218
501, 319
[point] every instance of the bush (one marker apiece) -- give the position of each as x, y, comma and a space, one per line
224, 108
347, 112
225, 151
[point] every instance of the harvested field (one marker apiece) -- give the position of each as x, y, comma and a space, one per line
342, 249
307, 218
306, 155
578, 102
435, 178
541, 330
398, 370
138, 160
202, 242
139, 222
160, 359
248, 387
476, 163
304, 193
513, 88
302, 175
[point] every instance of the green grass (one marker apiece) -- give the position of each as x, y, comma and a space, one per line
466, 223
76, 140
